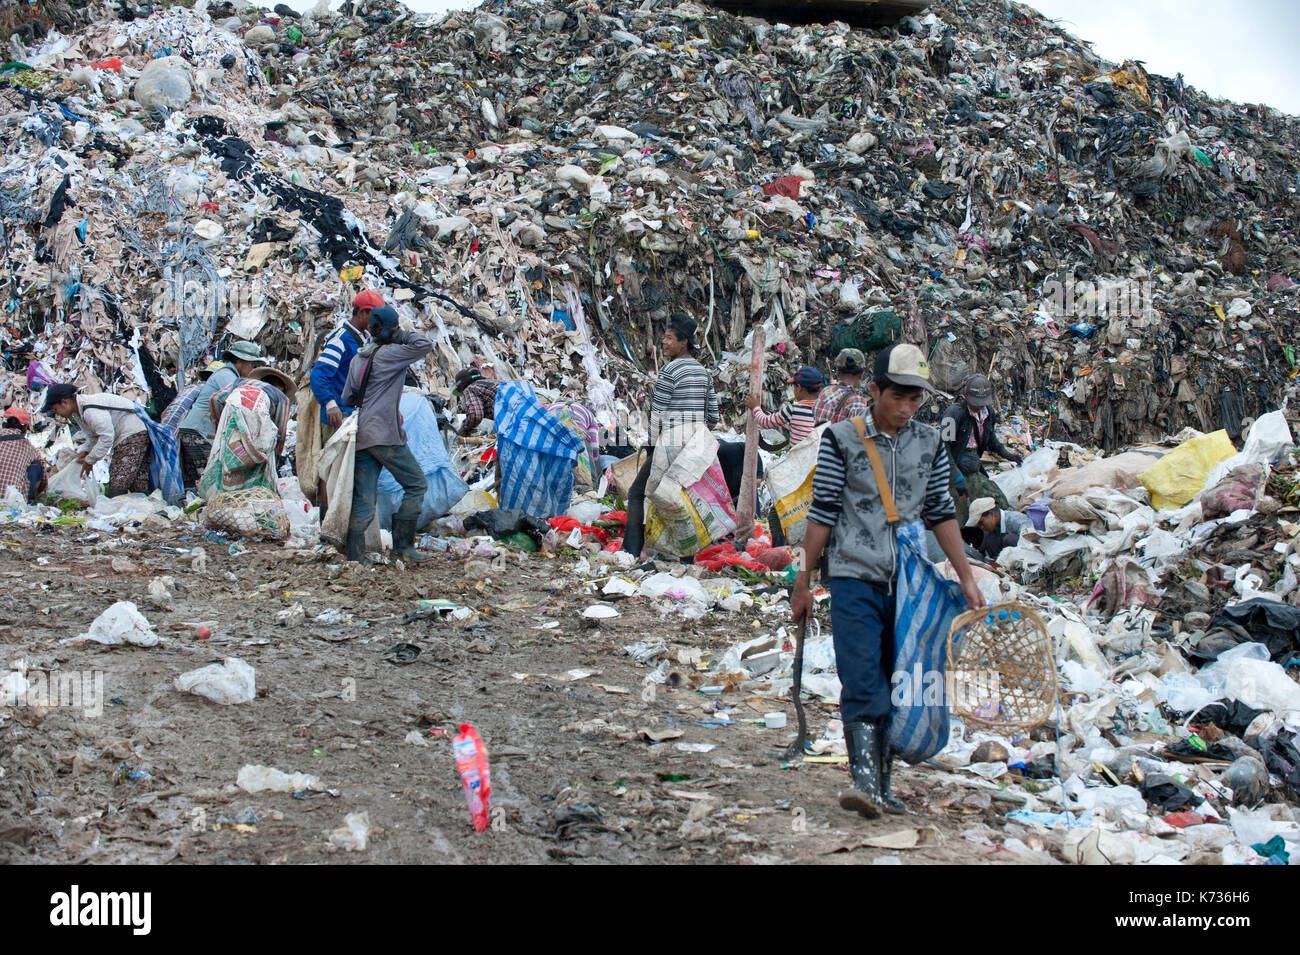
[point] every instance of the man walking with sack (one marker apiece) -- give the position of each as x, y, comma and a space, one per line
875, 473
374, 389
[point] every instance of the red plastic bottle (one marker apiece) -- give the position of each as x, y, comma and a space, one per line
472, 764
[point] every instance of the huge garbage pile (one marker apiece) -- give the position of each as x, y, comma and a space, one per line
1113, 247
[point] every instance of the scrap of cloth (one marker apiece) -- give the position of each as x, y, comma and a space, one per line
537, 453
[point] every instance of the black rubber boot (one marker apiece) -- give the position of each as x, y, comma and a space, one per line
404, 542
863, 741
357, 548
892, 805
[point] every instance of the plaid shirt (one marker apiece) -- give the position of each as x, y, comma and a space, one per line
478, 401
16, 454
828, 408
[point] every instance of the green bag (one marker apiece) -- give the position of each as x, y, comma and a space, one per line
868, 333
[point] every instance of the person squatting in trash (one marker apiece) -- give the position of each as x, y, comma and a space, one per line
111, 427
848, 521
198, 428
1000, 526
329, 373
374, 389
476, 398
683, 400
20, 464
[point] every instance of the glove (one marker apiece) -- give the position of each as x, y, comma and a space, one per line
1015, 458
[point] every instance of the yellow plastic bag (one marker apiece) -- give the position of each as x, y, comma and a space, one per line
1180, 475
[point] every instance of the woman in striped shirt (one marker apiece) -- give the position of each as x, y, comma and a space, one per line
797, 417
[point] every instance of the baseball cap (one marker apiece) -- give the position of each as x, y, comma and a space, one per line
903, 364
978, 508
56, 393
979, 392
383, 317
245, 351
852, 361
808, 377
18, 414
368, 299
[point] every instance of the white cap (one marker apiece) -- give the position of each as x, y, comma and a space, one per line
978, 508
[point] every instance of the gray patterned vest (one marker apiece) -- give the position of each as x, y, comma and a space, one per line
862, 543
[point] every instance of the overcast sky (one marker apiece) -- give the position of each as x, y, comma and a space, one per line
1243, 51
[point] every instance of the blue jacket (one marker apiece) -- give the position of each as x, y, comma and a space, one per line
331, 369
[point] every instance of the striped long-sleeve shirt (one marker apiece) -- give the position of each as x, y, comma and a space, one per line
683, 399
829, 480
797, 417
330, 371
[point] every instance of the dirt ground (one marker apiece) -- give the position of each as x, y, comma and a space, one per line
152, 778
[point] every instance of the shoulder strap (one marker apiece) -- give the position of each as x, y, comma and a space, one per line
365, 378
844, 400
877, 466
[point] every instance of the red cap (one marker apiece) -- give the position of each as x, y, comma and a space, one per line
368, 299
13, 411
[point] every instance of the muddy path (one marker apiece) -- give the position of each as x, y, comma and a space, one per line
151, 776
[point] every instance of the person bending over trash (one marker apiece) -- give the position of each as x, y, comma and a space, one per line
1002, 527
112, 427
969, 429
198, 428
374, 388
683, 401
252, 416
476, 398
867, 467
20, 465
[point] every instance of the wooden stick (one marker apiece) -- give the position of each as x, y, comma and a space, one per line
749, 477
795, 749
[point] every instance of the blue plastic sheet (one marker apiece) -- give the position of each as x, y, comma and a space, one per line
425, 440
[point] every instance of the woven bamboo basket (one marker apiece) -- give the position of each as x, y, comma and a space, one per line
254, 512
1001, 669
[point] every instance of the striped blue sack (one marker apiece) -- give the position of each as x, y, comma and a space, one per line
925, 606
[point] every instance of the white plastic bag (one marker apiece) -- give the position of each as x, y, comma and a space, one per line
1031, 476
255, 779
121, 623
227, 683
67, 482
1267, 437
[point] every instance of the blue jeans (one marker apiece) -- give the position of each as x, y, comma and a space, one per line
862, 625
405, 469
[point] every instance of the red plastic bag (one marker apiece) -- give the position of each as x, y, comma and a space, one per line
113, 63
472, 764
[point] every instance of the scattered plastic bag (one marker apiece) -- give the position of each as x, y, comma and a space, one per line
228, 683
68, 483
121, 623
254, 778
